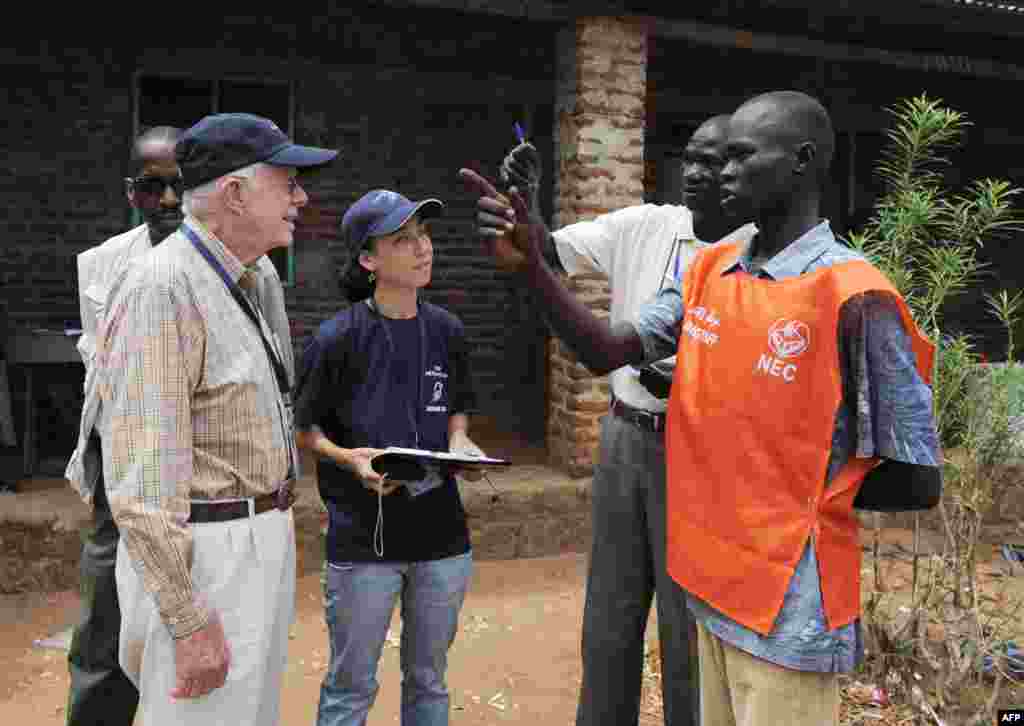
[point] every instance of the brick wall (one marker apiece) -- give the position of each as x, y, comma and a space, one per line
66, 119
409, 122
406, 100
411, 94
420, 157
600, 109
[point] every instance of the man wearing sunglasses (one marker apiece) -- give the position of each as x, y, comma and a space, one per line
156, 193
100, 692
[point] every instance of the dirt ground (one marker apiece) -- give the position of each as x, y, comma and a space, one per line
516, 657
1001, 586
515, 660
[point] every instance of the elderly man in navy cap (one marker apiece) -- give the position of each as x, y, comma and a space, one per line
200, 458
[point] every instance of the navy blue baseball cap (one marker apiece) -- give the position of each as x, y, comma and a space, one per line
225, 142
382, 212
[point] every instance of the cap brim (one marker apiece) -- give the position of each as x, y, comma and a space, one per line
301, 156
401, 215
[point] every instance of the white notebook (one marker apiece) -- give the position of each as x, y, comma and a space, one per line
445, 457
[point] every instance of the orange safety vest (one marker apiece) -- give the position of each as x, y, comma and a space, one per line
749, 431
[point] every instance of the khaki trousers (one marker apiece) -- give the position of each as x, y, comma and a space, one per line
737, 689
244, 569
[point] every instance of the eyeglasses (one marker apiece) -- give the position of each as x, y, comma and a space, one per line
154, 186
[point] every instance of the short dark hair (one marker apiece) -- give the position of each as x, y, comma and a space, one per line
807, 119
152, 134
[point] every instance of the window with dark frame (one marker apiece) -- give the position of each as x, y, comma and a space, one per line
178, 100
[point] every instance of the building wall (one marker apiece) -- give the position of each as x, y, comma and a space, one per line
689, 82
412, 94
67, 117
600, 112
409, 103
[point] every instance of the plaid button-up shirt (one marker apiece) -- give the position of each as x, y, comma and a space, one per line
191, 409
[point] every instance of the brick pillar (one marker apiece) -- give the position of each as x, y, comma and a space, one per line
599, 138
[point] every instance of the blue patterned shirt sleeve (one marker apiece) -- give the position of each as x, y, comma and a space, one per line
657, 323
893, 405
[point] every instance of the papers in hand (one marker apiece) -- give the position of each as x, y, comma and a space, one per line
442, 457
411, 464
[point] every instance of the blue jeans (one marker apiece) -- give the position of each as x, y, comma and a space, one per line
361, 598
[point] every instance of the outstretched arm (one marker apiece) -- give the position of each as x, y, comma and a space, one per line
520, 250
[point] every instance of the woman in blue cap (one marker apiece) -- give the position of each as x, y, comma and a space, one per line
389, 370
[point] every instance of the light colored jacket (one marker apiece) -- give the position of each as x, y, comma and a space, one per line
98, 270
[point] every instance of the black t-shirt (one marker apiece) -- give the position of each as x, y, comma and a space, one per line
370, 381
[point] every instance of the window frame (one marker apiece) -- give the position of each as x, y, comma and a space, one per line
288, 279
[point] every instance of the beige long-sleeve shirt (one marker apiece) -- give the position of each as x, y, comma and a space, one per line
191, 408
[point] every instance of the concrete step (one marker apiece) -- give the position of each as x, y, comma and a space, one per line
532, 511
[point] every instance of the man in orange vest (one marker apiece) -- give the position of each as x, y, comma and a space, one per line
801, 392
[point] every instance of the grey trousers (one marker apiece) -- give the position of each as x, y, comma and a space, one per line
627, 565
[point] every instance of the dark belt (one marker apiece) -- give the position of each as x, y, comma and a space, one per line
648, 421
282, 499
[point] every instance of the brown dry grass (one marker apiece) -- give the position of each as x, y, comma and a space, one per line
861, 704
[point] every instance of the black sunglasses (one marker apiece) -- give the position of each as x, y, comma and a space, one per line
154, 186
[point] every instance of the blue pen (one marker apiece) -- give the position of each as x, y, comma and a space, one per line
519, 132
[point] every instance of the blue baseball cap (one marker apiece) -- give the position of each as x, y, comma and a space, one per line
225, 142
382, 212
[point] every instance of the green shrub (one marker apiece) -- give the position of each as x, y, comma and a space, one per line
926, 238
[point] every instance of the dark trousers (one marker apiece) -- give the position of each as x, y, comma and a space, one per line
627, 566
100, 692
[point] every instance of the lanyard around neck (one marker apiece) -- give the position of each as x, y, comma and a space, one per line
415, 412
243, 302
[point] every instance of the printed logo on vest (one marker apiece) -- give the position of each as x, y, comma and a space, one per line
702, 329
787, 339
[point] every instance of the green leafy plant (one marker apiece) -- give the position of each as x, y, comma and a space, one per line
926, 239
